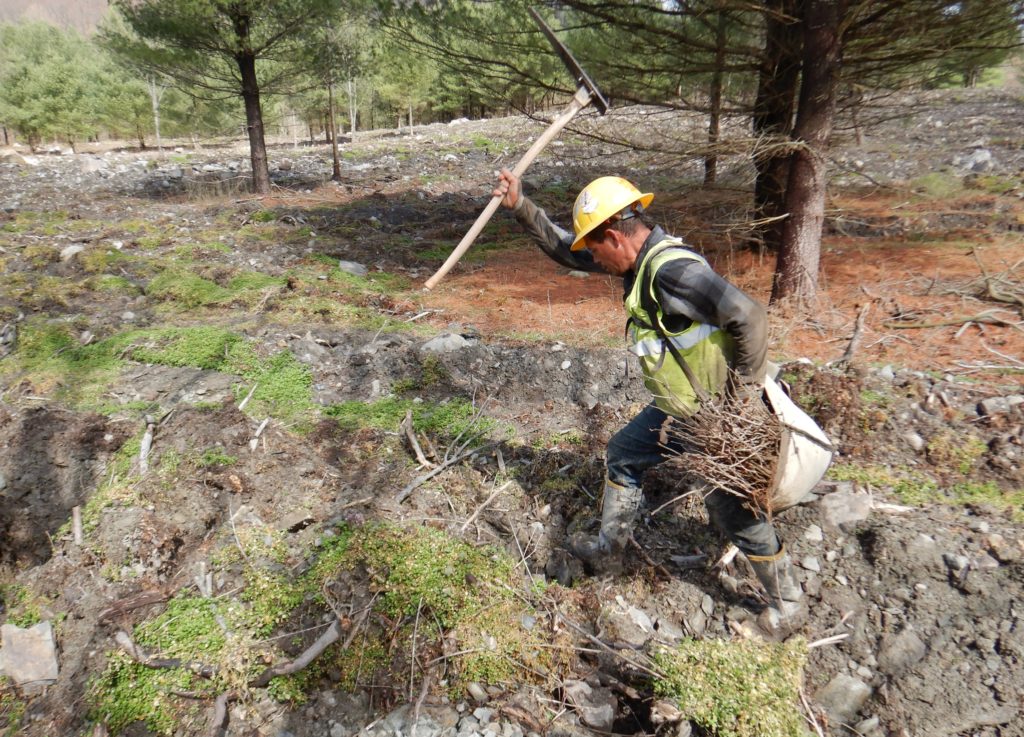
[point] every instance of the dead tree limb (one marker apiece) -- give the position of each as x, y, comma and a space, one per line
985, 317
220, 714
858, 333
142, 657
411, 435
415, 483
328, 638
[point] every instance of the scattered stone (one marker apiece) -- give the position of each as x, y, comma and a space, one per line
596, 706
576, 274
886, 373
477, 692
901, 651
980, 160
843, 697
127, 316
955, 562
1001, 549
351, 267
810, 563
993, 406
814, 534
71, 251
284, 165
844, 506
565, 365
29, 656
914, 440
446, 343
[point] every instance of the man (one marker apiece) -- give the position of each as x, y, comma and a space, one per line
689, 327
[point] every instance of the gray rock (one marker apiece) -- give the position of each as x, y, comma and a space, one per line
993, 406
71, 251
844, 506
284, 165
29, 656
810, 563
3, 481
843, 697
565, 365
596, 706
814, 534
446, 343
1001, 549
886, 373
127, 316
955, 562
352, 267
901, 651
337, 731
914, 440
980, 160
477, 691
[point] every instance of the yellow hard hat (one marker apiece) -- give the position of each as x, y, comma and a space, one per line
602, 200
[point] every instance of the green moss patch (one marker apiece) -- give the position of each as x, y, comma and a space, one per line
915, 487
189, 290
450, 418
736, 689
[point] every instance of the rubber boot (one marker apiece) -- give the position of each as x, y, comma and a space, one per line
786, 608
619, 507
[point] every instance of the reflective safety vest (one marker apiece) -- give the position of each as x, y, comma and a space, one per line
708, 350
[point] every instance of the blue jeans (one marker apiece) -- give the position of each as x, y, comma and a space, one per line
635, 448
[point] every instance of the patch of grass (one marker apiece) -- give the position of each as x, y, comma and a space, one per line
201, 346
190, 251
12, 708
99, 260
954, 451
284, 385
215, 457
742, 688
24, 609
189, 290
914, 487
449, 418
937, 185
112, 284
40, 256
263, 216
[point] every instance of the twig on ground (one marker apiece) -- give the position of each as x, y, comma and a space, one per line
834, 639
146, 445
220, 714
648, 560
140, 656
415, 483
858, 332
328, 638
809, 714
488, 500
607, 648
986, 317
241, 405
256, 436
76, 524
406, 427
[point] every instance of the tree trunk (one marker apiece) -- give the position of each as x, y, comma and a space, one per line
796, 272
155, 94
778, 81
254, 124
352, 108
715, 116
336, 176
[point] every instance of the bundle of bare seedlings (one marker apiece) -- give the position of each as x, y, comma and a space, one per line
732, 443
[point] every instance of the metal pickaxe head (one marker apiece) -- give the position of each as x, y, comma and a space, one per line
582, 79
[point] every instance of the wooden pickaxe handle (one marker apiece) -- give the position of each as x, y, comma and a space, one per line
580, 100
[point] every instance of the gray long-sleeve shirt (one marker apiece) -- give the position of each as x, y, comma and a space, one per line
686, 290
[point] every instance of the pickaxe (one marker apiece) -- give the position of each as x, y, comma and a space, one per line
586, 93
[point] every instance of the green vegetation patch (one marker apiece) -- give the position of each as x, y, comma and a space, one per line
744, 688
450, 418
189, 290
419, 575
917, 488
52, 359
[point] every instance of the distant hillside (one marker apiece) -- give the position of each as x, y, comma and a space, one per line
82, 15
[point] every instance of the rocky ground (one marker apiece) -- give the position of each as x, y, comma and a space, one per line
218, 386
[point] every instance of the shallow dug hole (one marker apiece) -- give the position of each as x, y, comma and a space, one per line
51, 460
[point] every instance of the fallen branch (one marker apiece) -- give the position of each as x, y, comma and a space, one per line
76, 524
985, 317
406, 427
256, 437
241, 405
417, 482
328, 638
220, 714
854, 344
140, 656
146, 445
481, 508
